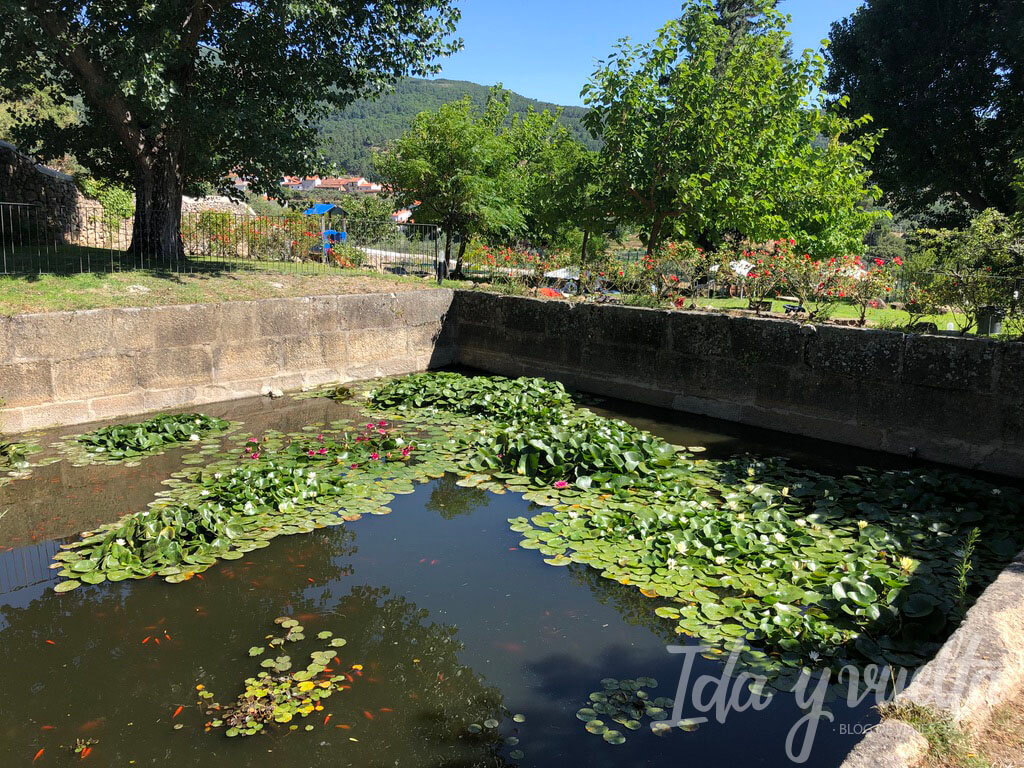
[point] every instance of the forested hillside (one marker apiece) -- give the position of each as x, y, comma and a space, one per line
356, 131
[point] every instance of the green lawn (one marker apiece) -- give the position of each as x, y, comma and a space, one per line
142, 288
876, 318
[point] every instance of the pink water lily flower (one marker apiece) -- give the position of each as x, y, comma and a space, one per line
561, 484
311, 453
322, 451
253, 440
353, 466
374, 456
255, 455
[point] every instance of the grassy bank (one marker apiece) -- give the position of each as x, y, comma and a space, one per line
143, 288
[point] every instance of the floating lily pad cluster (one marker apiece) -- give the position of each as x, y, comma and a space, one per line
796, 568
493, 396
337, 392
626, 703
269, 487
799, 568
275, 695
17, 462
131, 442
489, 728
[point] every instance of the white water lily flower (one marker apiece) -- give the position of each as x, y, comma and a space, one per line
194, 438
119, 541
720, 560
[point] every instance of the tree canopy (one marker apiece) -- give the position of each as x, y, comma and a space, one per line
945, 80
454, 162
186, 91
707, 134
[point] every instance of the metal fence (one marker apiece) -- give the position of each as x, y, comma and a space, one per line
38, 240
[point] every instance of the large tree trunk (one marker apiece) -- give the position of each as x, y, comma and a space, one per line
462, 252
156, 236
654, 237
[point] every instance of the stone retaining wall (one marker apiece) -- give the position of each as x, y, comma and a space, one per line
958, 401
64, 368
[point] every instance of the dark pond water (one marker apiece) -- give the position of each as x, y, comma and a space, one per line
444, 616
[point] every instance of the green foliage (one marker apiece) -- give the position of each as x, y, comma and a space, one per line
978, 267
118, 202
648, 300
803, 568
706, 134
482, 395
459, 167
626, 703
278, 697
124, 441
178, 94
238, 505
12, 454
942, 79
354, 133
964, 565
24, 106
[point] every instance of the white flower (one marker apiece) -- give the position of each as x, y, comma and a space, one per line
119, 541
720, 560
779, 537
194, 438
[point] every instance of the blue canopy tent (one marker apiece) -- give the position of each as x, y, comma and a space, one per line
327, 236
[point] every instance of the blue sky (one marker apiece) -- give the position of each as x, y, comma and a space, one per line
545, 49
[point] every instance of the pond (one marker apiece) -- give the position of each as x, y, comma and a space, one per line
438, 635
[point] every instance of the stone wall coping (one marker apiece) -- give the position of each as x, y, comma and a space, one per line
978, 669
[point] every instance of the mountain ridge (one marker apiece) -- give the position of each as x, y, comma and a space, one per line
352, 134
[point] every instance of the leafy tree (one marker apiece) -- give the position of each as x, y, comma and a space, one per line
180, 92
457, 164
353, 133
980, 266
742, 17
27, 105
945, 80
706, 136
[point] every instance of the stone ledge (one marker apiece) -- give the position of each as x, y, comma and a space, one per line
65, 368
979, 668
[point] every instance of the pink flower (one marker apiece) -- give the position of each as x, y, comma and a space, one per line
406, 451
320, 438
375, 456
369, 426
322, 451
255, 455
311, 452
353, 466
561, 484
382, 423
253, 440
